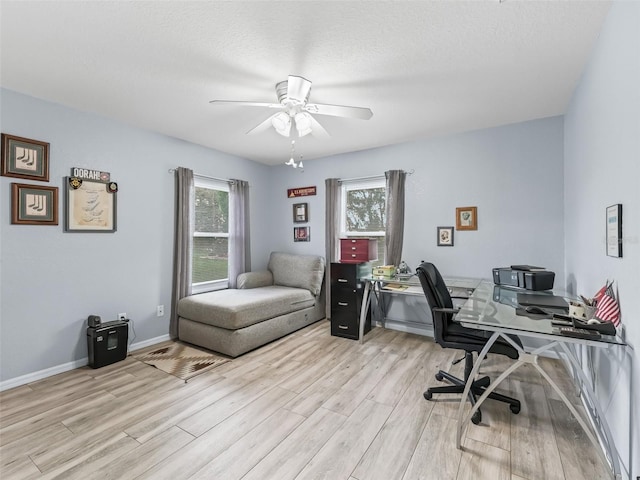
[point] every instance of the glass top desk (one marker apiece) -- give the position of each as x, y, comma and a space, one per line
459, 288
488, 309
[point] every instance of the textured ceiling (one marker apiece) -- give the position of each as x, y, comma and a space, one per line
425, 68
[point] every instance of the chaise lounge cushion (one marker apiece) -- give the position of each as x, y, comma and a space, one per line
233, 309
300, 271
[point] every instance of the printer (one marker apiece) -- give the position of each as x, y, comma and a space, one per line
524, 276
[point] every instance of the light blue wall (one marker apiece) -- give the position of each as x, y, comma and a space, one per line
513, 174
602, 167
51, 281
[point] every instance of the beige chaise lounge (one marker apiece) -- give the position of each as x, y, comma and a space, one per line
266, 305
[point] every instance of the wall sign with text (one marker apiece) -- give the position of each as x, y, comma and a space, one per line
301, 192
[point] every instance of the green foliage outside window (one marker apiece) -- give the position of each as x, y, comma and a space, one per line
210, 259
365, 210
212, 210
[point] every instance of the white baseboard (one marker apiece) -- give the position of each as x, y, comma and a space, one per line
48, 372
147, 343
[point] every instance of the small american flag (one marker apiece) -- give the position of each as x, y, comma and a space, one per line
607, 308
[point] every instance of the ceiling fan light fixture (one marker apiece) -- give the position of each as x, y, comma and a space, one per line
282, 123
303, 123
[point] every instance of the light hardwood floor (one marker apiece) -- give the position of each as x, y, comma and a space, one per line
306, 406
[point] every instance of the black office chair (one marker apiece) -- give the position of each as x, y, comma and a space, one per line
449, 334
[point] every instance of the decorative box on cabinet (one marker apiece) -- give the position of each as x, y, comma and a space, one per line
358, 250
346, 299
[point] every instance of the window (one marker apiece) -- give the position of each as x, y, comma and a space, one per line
363, 211
210, 257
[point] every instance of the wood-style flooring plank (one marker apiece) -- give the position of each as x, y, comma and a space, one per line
151, 425
390, 453
578, 455
534, 449
287, 460
247, 451
483, 462
98, 459
263, 416
314, 396
355, 390
30, 443
32, 424
192, 457
436, 456
340, 455
136, 461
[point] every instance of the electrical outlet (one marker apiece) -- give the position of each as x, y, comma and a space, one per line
160, 311
122, 316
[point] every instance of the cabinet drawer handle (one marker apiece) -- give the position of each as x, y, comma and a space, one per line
343, 304
353, 255
343, 327
354, 248
343, 280
353, 241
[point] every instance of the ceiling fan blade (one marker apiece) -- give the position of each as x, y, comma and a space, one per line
339, 111
245, 104
261, 127
318, 130
298, 88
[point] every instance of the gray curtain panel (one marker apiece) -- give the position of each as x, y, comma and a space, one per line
394, 232
239, 239
182, 243
332, 229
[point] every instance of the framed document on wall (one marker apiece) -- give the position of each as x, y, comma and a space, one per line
614, 230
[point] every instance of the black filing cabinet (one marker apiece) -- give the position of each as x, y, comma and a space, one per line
346, 298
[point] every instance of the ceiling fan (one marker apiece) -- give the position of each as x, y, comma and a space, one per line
293, 109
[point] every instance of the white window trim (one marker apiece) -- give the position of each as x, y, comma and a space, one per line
223, 283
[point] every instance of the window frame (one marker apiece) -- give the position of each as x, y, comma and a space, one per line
370, 183
211, 184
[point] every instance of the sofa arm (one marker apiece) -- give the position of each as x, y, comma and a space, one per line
262, 278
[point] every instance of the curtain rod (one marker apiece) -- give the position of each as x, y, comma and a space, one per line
173, 170
370, 177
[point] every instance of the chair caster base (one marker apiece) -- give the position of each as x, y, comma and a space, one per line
476, 418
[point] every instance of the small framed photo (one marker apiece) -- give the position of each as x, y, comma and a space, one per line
90, 206
300, 212
301, 234
614, 230
34, 204
445, 236
467, 218
25, 158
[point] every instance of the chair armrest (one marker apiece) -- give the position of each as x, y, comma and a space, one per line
262, 278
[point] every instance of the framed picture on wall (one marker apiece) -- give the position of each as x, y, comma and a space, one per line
445, 236
25, 158
300, 212
467, 218
301, 234
34, 204
90, 206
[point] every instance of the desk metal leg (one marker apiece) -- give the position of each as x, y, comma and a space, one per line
366, 304
610, 458
612, 453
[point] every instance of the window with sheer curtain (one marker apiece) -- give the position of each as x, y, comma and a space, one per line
210, 257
